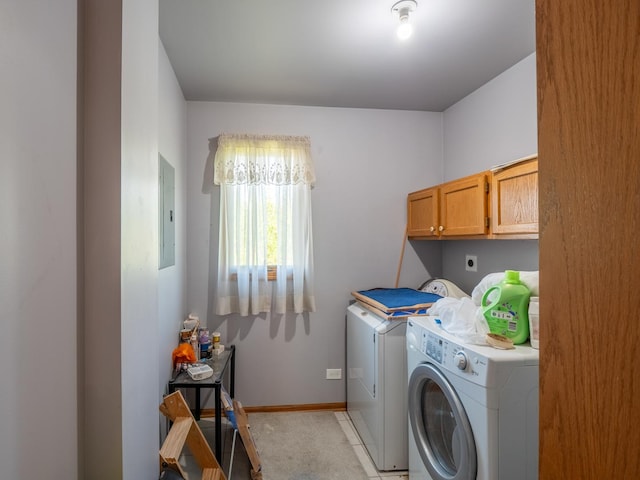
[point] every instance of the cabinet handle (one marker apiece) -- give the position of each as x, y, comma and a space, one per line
432, 229
441, 228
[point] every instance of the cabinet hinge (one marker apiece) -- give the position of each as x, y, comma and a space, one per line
487, 222
486, 187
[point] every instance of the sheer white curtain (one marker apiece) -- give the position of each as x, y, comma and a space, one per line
265, 254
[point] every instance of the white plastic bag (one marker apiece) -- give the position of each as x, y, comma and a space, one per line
462, 318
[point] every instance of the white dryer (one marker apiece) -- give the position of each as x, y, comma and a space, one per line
377, 385
473, 410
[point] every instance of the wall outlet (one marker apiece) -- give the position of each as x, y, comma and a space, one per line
471, 263
334, 373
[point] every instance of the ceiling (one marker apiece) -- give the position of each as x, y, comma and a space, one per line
342, 53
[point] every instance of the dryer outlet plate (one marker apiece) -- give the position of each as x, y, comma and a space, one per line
471, 263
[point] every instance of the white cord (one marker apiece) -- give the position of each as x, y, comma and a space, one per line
233, 447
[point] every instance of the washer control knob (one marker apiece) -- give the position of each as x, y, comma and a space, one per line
461, 360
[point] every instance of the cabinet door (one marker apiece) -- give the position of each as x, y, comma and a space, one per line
422, 213
463, 206
514, 199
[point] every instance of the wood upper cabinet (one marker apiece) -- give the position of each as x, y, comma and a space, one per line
514, 200
463, 206
422, 213
502, 203
457, 208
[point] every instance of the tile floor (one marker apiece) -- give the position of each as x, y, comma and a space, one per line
361, 452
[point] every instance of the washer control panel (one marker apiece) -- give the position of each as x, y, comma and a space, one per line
433, 346
453, 357
479, 364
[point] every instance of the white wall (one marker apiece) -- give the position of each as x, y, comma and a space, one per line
120, 184
366, 162
139, 287
38, 300
495, 124
172, 281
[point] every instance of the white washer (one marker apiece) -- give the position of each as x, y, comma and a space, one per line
473, 410
377, 385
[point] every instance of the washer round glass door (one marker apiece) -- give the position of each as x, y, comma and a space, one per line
440, 426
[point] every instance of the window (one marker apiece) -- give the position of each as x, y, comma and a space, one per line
265, 254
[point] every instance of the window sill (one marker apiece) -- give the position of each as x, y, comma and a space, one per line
272, 274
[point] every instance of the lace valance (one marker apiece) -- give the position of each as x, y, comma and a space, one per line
262, 160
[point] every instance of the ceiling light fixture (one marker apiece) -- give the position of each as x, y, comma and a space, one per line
403, 9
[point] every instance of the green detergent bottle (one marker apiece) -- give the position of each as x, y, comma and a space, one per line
507, 313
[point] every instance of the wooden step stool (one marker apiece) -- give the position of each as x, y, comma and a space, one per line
185, 429
247, 440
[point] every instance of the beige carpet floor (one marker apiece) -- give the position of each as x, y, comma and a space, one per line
295, 446
291, 446
304, 446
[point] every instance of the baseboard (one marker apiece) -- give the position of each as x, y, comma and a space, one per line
307, 407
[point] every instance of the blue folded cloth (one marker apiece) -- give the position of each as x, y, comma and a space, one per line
400, 298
